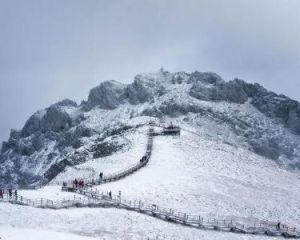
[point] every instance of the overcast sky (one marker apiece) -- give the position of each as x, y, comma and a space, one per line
56, 49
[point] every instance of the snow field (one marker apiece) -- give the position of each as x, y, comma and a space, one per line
97, 223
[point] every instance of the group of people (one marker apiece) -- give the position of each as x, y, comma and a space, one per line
78, 183
10, 193
143, 159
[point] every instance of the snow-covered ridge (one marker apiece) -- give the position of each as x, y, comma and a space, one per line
235, 112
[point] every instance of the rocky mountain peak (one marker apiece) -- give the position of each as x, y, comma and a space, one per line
65, 134
108, 95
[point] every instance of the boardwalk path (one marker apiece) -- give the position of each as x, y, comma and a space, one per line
93, 198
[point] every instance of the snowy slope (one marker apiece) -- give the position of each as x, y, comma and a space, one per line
191, 174
199, 176
12, 233
108, 224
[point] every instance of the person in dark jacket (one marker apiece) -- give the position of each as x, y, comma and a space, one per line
16, 194
10, 193
100, 175
76, 183
278, 226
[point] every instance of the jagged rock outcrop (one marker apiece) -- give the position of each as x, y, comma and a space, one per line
55, 119
143, 89
108, 95
278, 106
211, 87
33, 125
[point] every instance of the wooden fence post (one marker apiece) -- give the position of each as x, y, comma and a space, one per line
184, 218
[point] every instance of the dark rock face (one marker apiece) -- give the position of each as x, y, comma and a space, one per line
143, 90
279, 106
55, 119
66, 103
210, 87
56, 168
12, 142
205, 77
108, 95
33, 124
105, 149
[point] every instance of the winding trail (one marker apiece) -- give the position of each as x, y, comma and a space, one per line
94, 198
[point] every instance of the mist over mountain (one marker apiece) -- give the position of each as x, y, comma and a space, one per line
234, 112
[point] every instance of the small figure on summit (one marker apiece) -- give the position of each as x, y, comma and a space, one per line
100, 175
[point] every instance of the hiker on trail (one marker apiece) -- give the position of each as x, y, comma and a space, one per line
100, 175
109, 194
81, 183
278, 226
76, 183
1, 193
10, 193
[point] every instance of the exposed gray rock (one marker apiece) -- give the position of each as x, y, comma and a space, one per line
108, 95
66, 103
73, 138
55, 119
104, 149
180, 77
211, 87
13, 141
56, 169
33, 124
143, 89
82, 131
278, 106
205, 77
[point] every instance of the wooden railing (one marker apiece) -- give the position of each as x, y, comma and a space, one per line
93, 198
171, 215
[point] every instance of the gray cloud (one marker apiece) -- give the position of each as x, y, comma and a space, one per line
54, 49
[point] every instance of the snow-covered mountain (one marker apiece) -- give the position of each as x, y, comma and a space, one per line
65, 135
